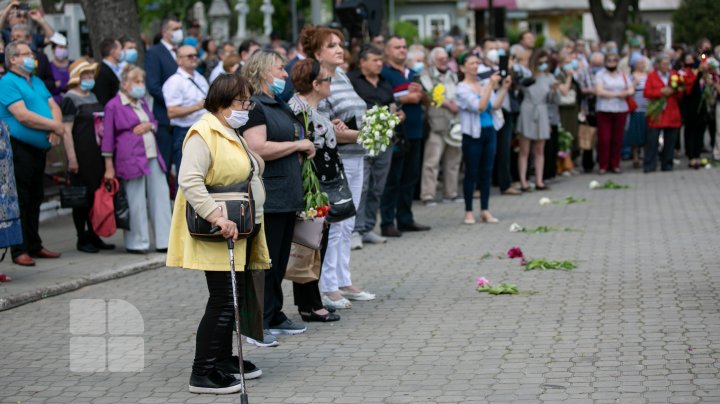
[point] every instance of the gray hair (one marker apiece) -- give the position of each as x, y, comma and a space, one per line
434, 53
596, 55
260, 63
21, 27
11, 51
659, 58
413, 54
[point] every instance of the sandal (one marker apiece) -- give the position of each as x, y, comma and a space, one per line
314, 317
339, 304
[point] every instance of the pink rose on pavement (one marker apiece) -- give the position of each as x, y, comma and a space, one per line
515, 252
482, 282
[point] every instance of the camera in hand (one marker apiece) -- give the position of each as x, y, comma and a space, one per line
503, 65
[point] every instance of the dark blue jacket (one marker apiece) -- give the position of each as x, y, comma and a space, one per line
159, 66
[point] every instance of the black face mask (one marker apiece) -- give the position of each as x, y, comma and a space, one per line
611, 68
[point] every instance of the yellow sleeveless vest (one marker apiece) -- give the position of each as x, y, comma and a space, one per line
230, 165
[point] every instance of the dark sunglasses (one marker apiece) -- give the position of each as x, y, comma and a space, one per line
328, 79
190, 56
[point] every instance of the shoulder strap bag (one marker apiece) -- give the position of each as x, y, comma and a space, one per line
236, 203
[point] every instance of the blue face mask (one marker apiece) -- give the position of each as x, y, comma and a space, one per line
543, 67
28, 64
557, 71
613, 51
501, 52
137, 92
87, 85
418, 67
277, 86
130, 55
595, 69
449, 48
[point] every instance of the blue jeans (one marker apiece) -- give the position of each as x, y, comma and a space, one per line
404, 174
479, 157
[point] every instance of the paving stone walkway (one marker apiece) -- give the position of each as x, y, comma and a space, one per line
637, 322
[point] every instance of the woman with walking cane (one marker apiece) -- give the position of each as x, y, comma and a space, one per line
214, 157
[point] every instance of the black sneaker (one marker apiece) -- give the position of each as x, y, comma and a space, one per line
215, 382
87, 248
231, 366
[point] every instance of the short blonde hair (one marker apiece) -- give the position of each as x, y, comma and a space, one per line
260, 63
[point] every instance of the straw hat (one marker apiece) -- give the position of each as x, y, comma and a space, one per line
77, 68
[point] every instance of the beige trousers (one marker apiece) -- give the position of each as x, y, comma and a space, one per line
435, 150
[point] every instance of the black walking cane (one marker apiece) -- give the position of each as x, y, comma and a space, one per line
231, 251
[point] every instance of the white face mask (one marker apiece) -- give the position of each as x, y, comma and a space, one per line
493, 56
237, 118
177, 36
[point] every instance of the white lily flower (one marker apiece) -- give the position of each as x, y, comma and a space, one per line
545, 201
594, 184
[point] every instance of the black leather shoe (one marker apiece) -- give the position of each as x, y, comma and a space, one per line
161, 250
230, 366
87, 248
101, 245
314, 317
414, 226
390, 231
214, 382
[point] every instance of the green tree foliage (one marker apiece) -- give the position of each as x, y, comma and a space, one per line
408, 31
696, 19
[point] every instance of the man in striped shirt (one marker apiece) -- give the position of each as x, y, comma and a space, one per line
404, 174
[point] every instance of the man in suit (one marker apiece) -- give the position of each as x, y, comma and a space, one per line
107, 82
160, 64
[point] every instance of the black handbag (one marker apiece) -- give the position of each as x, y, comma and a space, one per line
236, 203
341, 203
74, 196
122, 208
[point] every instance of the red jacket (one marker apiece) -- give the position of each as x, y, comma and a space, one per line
670, 117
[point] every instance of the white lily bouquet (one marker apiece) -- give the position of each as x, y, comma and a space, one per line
378, 128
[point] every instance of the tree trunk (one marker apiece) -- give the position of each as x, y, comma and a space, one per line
112, 19
611, 26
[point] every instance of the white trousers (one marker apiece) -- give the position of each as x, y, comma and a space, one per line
336, 266
149, 190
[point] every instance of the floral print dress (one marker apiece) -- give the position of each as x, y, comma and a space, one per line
10, 229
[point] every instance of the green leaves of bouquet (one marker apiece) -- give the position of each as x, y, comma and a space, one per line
484, 286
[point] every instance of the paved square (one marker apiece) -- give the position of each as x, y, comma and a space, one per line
637, 322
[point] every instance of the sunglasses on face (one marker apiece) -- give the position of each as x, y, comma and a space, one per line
190, 56
328, 79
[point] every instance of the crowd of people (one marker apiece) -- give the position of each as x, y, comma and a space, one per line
202, 116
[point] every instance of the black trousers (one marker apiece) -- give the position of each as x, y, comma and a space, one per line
502, 172
307, 295
213, 342
29, 164
279, 229
651, 149
694, 136
397, 199
551, 151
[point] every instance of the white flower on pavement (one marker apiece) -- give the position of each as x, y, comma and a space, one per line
516, 228
594, 184
545, 201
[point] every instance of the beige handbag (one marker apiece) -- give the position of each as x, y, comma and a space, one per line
586, 136
303, 265
309, 233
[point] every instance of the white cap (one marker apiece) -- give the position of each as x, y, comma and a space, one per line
58, 39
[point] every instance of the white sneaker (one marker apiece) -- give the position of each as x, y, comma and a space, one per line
373, 238
356, 242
